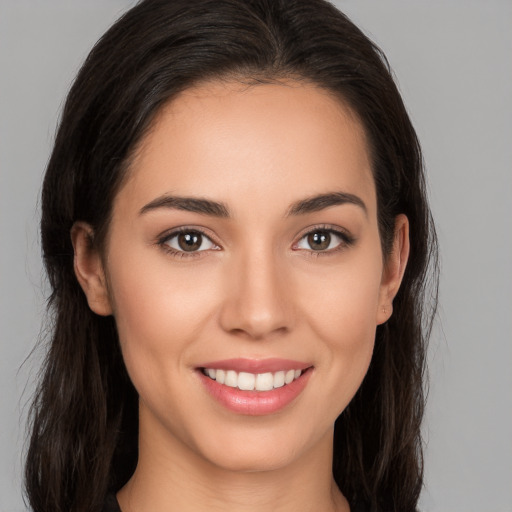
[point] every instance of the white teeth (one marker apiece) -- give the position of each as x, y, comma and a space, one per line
221, 376
253, 382
290, 375
278, 379
264, 382
231, 379
246, 381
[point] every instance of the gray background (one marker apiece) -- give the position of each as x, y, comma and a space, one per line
453, 60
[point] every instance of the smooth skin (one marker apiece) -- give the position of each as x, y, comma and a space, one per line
253, 286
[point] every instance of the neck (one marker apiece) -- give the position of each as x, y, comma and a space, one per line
170, 476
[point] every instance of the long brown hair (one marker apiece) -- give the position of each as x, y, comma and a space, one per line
83, 425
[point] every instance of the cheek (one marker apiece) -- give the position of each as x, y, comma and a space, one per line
344, 301
341, 311
159, 314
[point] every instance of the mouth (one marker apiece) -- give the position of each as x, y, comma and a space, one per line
246, 381
252, 387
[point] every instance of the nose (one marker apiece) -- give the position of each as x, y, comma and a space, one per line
257, 302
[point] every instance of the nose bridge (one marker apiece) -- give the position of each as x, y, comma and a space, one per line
257, 301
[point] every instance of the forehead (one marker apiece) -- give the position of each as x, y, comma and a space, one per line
258, 144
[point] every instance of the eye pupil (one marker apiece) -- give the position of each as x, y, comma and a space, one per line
190, 241
319, 240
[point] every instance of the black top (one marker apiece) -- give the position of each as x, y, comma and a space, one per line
111, 505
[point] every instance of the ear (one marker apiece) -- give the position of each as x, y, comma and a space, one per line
394, 269
89, 269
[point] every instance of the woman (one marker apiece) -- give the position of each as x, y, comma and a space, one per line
237, 237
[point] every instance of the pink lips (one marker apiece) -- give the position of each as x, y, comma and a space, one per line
255, 403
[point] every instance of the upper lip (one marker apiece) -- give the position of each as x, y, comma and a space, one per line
256, 365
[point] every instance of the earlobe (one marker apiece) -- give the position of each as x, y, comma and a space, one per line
89, 270
394, 269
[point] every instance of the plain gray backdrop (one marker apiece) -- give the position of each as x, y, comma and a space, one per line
453, 62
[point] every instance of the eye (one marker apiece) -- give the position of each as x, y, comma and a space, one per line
324, 240
187, 241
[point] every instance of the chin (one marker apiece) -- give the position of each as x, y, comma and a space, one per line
241, 459
260, 450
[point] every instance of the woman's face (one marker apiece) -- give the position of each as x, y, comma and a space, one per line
244, 245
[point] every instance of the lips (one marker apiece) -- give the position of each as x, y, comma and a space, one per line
255, 387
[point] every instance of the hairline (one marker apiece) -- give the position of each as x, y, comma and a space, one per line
250, 79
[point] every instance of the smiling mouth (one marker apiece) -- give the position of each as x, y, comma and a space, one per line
255, 387
246, 381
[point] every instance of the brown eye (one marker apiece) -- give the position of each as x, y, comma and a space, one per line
319, 240
190, 241
324, 240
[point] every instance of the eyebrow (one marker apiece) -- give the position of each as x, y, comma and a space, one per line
189, 204
322, 201
217, 209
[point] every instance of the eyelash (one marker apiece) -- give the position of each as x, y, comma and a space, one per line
347, 240
163, 242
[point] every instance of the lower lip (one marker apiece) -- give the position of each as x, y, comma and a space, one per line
255, 403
